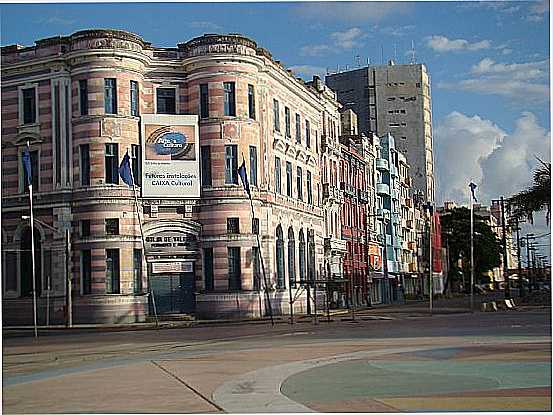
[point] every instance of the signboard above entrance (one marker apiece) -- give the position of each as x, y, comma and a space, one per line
170, 148
172, 267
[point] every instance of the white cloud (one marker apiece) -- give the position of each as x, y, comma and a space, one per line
57, 20
443, 44
522, 83
315, 50
500, 164
459, 142
203, 25
519, 71
508, 168
307, 71
537, 10
397, 31
506, 51
339, 41
348, 39
352, 11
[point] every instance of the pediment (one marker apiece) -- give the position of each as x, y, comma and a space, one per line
23, 137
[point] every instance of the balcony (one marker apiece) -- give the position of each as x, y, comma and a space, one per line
330, 193
335, 245
393, 171
409, 223
411, 245
363, 196
394, 194
348, 189
383, 189
324, 143
396, 218
382, 164
382, 213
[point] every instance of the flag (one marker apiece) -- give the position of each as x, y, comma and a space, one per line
429, 208
27, 166
125, 170
244, 176
472, 188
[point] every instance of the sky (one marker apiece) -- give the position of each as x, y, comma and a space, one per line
488, 61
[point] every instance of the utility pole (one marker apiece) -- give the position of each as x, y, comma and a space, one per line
69, 298
505, 264
520, 280
530, 280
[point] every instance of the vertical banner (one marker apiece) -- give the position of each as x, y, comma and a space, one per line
170, 163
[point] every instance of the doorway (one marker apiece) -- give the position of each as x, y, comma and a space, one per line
174, 293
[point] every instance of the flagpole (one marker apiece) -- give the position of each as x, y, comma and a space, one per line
431, 279
30, 183
471, 252
144, 262
246, 186
263, 268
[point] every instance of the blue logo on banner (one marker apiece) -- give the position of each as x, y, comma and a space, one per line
170, 143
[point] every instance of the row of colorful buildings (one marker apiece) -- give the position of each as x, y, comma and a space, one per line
334, 216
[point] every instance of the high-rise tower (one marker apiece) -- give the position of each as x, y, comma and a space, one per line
394, 99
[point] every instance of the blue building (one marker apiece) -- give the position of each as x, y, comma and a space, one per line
388, 189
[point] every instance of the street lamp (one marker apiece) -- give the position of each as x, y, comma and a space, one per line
68, 299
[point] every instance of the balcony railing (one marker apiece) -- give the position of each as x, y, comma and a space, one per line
363, 196
335, 244
382, 164
383, 189
324, 143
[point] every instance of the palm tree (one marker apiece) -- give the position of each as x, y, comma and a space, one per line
536, 198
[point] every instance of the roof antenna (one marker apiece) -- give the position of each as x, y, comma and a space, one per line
395, 52
413, 58
382, 54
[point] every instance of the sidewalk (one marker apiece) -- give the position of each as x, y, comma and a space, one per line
379, 311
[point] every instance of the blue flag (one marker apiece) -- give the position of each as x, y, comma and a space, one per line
244, 176
28, 173
472, 189
125, 170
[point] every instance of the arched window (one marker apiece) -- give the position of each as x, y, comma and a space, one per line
280, 257
291, 257
311, 254
302, 257
26, 264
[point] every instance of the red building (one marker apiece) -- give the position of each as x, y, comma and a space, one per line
353, 184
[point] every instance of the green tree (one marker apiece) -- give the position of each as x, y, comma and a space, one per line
537, 198
487, 247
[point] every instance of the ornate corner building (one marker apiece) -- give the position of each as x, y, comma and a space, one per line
79, 102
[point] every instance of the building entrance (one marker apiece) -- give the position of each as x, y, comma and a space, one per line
174, 293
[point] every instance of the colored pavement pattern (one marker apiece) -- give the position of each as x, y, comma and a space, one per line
480, 378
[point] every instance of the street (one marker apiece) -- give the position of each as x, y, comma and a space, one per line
384, 361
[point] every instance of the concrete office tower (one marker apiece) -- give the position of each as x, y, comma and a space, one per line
394, 99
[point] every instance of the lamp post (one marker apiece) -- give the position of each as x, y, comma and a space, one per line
530, 279
67, 238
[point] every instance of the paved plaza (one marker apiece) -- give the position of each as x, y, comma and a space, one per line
404, 362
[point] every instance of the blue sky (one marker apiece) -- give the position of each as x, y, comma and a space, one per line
489, 63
